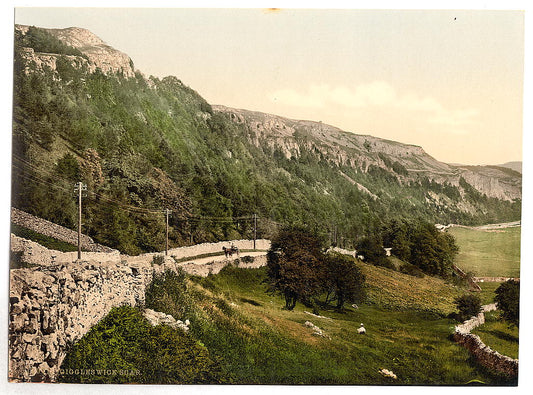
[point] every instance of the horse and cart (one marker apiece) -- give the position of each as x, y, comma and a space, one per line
229, 251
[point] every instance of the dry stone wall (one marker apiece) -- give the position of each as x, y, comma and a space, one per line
486, 356
494, 279
55, 303
35, 254
59, 232
53, 306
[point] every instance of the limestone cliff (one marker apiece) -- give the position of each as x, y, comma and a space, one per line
361, 151
99, 54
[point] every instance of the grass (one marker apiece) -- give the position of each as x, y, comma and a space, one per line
255, 341
262, 343
393, 290
499, 335
487, 293
489, 253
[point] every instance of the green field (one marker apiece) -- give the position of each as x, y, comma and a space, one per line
487, 293
256, 341
499, 335
488, 253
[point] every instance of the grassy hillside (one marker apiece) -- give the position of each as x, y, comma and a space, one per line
255, 341
489, 253
393, 290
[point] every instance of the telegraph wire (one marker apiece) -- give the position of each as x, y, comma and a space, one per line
39, 174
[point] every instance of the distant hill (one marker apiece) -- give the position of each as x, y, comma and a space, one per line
82, 112
516, 166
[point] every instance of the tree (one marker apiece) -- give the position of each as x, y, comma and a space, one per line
295, 265
468, 306
508, 301
344, 278
396, 236
372, 249
432, 251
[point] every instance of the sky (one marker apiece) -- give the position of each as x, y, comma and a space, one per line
449, 81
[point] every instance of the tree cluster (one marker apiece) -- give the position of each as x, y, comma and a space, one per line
422, 245
508, 301
299, 269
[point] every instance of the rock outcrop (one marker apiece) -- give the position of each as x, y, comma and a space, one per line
99, 54
361, 151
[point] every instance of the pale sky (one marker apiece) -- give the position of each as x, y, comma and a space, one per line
449, 81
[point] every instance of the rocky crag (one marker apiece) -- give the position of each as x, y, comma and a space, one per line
98, 54
361, 151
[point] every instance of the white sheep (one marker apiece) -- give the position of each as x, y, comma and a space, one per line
361, 330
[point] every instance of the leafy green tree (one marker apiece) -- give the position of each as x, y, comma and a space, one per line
468, 305
295, 265
344, 278
396, 236
68, 167
508, 301
371, 248
433, 251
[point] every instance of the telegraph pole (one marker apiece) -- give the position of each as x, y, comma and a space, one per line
255, 228
167, 212
80, 188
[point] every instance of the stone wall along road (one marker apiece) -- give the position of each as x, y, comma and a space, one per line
52, 305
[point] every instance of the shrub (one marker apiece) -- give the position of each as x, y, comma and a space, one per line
247, 259
133, 351
508, 301
158, 260
168, 292
468, 305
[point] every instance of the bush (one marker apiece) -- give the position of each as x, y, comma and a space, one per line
247, 259
126, 345
508, 301
158, 260
168, 292
468, 305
